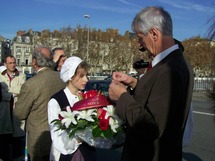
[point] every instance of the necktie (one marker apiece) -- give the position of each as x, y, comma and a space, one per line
149, 67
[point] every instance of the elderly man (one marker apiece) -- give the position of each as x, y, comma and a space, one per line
156, 114
33, 100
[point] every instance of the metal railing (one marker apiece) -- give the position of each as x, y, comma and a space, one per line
200, 83
203, 84
97, 77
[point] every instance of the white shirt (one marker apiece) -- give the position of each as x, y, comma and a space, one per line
61, 143
163, 54
141, 75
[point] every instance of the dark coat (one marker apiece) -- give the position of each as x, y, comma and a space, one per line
0, 92
157, 112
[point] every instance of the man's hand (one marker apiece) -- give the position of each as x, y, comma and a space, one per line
125, 79
116, 89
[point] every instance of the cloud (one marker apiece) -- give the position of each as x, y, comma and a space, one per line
124, 2
189, 6
124, 6
119, 6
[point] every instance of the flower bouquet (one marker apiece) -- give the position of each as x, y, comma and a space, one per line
92, 120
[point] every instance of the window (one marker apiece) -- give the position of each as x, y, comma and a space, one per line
27, 39
27, 50
18, 61
18, 49
19, 38
26, 61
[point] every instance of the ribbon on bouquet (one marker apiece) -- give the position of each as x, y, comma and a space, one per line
92, 102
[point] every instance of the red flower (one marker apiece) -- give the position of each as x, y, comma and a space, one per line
90, 93
60, 117
103, 122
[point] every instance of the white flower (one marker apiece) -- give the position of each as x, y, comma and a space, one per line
87, 114
110, 111
113, 124
114, 121
68, 117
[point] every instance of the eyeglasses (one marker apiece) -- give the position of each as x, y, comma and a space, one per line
11, 63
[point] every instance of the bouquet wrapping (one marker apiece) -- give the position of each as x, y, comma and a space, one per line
92, 120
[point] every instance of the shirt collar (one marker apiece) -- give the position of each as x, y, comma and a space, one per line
41, 69
71, 97
163, 54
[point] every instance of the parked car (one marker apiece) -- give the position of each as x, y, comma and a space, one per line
100, 85
109, 77
28, 76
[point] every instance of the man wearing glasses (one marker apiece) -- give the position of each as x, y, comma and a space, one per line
11, 80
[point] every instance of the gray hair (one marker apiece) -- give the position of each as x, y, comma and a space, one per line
42, 59
150, 17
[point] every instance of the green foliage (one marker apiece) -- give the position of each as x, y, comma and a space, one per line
83, 124
97, 132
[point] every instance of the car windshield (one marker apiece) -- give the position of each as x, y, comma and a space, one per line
100, 85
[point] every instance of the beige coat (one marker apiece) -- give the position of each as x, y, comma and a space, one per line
12, 88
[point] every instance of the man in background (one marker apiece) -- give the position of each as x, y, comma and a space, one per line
33, 100
12, 81
59, 58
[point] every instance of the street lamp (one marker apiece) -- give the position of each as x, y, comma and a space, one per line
88, 35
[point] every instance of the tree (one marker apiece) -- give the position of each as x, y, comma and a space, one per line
199, 53
110, 51
56, 34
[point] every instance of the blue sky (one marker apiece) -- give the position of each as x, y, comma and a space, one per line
190, 17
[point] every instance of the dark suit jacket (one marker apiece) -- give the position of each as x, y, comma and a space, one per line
32, 106
157, 112
0, 93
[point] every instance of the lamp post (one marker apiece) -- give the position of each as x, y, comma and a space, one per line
88, 35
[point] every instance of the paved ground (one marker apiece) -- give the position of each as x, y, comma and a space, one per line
200, 95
